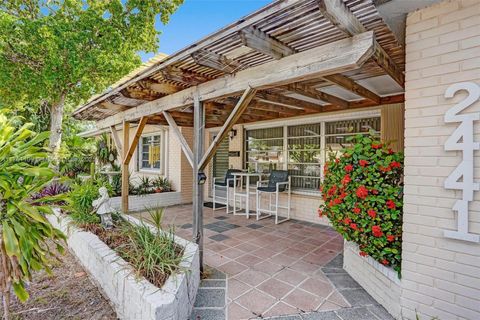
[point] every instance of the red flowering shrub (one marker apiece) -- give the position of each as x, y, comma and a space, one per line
363, 198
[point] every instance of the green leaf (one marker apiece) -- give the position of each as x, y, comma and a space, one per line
10, 240
20, 291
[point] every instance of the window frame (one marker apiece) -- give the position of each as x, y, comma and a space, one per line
140, 168
320, 119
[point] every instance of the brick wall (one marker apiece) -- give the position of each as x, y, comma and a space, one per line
441, 276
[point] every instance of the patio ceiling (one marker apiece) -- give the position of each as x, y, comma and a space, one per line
277, 33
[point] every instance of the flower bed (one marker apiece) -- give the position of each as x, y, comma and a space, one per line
363, 196
134, 297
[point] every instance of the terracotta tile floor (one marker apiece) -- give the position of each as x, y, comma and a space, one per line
271, 269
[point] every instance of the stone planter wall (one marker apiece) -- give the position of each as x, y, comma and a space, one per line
134, 298
141, 203
380, 282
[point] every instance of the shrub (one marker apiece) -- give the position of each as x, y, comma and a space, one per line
82, 196
363, 193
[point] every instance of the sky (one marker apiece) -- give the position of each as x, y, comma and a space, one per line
196, 19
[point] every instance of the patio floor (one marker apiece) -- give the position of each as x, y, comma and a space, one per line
271, 270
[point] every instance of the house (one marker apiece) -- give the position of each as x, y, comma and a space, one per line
298, 72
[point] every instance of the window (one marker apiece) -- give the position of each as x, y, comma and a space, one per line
150, 155
302, 149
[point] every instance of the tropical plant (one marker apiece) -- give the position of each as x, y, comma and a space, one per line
24, 230
162, 184
52, 190
55, 52
81, 197
153, 254
106, 152
363, 198
144, 187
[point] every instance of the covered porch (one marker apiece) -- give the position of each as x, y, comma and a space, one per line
294, 62
259, 269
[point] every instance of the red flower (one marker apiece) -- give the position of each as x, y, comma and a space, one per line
390, 151
347, 220
353, 226
395, 164
337, 201
362, 192
390, 204
342, 195
337, 160
377, 231
320, 212
356, 210
348, 168
363, 253
330, 204
372, 213
332, 190
390, 238
363, 163
385, 262
374, 191
376, 146
346, 179
385, 169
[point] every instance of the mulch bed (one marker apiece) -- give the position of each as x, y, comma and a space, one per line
68, 293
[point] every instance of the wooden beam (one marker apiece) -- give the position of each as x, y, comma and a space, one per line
215, 61
242, 104
125, 172
386, 63
336, 57
136, 137
112, 106
316, 94
339, 15
198, 189
186, 77
260, 41
178, 134
278, 108
352, 86
116, 140
289, 101
160, 87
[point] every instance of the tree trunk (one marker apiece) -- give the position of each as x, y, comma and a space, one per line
56, 119
4, 282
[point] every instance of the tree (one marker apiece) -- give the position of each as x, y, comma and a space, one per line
54, 51
24, 230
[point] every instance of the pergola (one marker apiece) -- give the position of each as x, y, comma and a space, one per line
271, 64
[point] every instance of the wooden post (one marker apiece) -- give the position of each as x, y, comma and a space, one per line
198, 136
125, 173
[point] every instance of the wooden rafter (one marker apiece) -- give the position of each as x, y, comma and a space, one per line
182, 76
339, 56
108, 105
159, 87
353, 86
382, 58
278, 108
215, 61
229, 123
316, 94
339, 15
136, 137
288, 101
262, 42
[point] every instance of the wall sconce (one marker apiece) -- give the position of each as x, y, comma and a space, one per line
232, 134
202, 177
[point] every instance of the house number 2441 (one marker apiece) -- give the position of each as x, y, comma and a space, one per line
462, 139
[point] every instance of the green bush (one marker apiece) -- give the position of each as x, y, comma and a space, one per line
363, 198
81, 197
